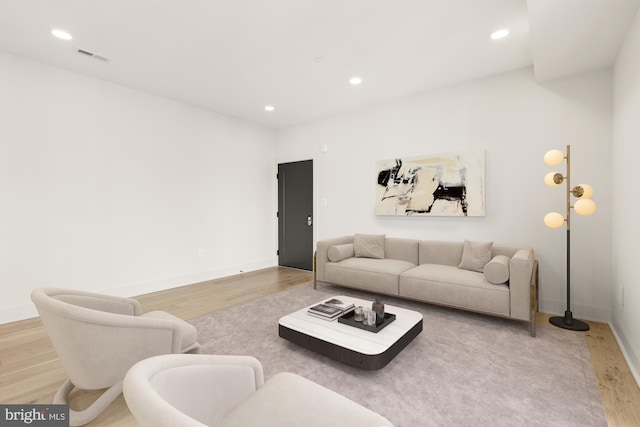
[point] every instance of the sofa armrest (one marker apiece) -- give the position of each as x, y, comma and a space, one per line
521, 270
322, 248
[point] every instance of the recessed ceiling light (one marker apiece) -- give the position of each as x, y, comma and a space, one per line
269, 108
500, 34
61, 34
355, 80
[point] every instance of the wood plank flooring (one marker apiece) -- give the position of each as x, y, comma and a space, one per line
619, 391
30, 371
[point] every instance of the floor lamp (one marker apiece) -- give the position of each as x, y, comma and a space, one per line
583, 206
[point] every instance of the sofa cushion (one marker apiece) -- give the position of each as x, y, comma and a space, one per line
402, 249
497, 270
475, 255
437, 252
287, 399
340, 252
449, 285
369, 245
375, 275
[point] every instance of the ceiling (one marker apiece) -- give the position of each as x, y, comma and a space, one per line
236, 56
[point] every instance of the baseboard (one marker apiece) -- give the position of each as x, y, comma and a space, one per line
190, 279
28, 310
629, 356
17, 313
595, 314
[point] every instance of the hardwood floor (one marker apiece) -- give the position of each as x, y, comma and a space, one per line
30, 371
619, 391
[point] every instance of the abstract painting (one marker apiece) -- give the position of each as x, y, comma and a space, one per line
450, 184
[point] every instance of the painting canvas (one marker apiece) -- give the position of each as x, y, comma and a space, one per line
449, 184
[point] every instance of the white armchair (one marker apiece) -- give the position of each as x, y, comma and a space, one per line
99, 337
225, 391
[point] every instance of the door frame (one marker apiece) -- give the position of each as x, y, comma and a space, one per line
314, 227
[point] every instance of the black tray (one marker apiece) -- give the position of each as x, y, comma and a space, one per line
348, 319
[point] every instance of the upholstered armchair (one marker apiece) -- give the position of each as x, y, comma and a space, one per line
213, 390
99, 337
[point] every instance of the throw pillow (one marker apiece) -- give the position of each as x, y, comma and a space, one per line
369, 245
497, 270
339, 252
475, 255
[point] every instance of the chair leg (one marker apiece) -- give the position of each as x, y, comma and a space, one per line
534, 299
315, 270
80, 418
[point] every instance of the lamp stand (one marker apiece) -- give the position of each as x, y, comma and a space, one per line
568, 322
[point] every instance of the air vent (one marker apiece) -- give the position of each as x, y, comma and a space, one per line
93, 55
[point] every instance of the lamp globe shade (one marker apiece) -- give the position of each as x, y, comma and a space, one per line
553, 157
585, 207
587, 191
548, 179
554, 220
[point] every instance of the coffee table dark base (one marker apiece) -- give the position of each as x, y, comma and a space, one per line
369, 362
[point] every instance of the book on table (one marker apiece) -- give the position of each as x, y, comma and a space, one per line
323, 317
330, 310
344, 306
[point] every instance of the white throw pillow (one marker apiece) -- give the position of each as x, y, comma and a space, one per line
475, 255
369, 245
497, 270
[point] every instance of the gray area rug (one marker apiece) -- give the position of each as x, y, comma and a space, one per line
464, 369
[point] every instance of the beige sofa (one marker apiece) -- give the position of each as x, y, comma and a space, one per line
474, 276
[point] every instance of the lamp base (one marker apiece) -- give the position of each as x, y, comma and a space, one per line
568, 322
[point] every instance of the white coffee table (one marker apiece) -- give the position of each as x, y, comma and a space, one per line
348, 344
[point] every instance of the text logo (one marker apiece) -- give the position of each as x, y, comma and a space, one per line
34, 415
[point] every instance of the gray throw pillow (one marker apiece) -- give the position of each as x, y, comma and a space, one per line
497, 270
475, 255
339, 252
369, 245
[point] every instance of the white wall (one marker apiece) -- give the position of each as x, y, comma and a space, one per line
516, 121
109, 189
626, 175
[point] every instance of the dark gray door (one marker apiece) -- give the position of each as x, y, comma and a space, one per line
295, 214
